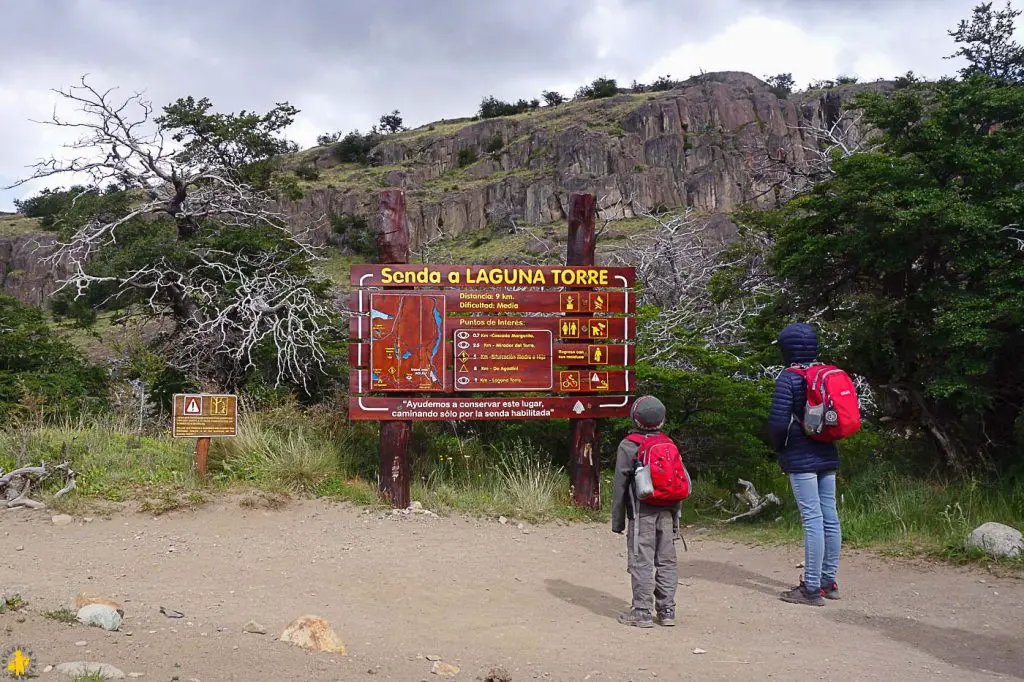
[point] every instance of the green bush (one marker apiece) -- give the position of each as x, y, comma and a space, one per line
598, 89
356, 147
491, 107
39, 371
467, 157
352, 233
307, 172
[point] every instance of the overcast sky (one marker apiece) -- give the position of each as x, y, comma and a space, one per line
345, 62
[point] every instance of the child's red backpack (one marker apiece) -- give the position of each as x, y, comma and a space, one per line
832, 411
668, 476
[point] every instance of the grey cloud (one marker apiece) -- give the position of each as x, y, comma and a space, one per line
344, 62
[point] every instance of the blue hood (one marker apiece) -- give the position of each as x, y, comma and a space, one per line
799, 344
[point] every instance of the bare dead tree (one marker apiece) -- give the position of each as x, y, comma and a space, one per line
223, 304
676, 261
786, 173
16, 485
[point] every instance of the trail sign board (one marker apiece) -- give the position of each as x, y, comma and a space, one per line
204, 415
460, 330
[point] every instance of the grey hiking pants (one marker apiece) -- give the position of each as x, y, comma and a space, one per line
652, 566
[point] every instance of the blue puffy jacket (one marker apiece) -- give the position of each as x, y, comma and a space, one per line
800, 454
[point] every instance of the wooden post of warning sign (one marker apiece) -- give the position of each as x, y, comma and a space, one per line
584, 459
395, 472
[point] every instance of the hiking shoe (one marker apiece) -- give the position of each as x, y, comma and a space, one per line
800, 595
830, 590
666, 619
640, 619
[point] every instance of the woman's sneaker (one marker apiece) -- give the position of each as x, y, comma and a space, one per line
800, 595
666, 618
830, 590
640, 619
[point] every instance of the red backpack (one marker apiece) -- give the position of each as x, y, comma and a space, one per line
832, 411
668, 474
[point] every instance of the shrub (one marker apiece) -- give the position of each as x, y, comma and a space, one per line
491, 107
846, 80
467, 157
356, 147
495, 144
327, 139
781, 84
661, 84
352, 233
307, 172
38, 366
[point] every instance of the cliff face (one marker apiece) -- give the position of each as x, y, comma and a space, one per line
23, 274
699, 146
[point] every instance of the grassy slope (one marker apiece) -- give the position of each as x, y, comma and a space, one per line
14, 225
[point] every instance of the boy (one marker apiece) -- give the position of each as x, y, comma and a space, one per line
650, 542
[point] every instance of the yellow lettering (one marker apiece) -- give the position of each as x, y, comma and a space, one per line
385, 276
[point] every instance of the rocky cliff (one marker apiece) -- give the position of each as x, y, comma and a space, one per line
701, 145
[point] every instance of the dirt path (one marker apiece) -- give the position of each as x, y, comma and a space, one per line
479, 594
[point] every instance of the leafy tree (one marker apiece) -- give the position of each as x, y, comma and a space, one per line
599, 88
327, 139
986, 42
846, 80
392, 123
781, 84
38, 366
661, 83
192, 239
552, 98
915, 251
244, 145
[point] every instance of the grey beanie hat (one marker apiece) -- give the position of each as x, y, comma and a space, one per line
648, 413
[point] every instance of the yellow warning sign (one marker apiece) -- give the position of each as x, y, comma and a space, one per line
204, 415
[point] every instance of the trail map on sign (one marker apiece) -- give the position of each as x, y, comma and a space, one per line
407, 349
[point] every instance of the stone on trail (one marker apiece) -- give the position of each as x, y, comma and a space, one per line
83, 599
313, 633
254, 628
78, 669
442, 669
498, 675
101, 616
61, 520
997, 540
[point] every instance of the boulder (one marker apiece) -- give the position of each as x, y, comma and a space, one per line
100, 616
997, 540
313, 633
442, 669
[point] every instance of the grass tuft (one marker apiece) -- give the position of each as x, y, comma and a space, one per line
62, 615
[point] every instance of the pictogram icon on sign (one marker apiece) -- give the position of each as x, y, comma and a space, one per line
599, 329
192, 405
598, 355
570, 329
569, 380
597, 303
599, 381
578, 408
570, 303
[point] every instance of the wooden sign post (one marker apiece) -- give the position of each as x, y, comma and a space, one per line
204, 416
451, 342
395, 472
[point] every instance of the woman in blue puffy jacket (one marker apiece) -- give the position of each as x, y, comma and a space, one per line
811, 467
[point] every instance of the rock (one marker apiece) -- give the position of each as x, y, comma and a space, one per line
502, 520
254, 628
136, 675
47, 668
997, 540
416, 506
81, 643
442, 669
83, 599
77, 669
313, 633
101, 616
433, 657
498, 675
699, 651
19, 548
61, 520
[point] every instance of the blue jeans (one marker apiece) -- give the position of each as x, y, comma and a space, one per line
816, 498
